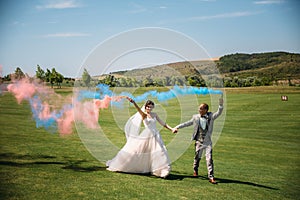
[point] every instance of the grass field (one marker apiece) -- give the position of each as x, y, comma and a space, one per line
256, 156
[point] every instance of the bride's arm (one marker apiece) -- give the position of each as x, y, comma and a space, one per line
144, 115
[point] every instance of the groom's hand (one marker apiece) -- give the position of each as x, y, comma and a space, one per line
175, 130
221, 101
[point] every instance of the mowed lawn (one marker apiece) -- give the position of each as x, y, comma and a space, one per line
256, 156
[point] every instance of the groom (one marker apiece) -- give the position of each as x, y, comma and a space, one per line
203, 127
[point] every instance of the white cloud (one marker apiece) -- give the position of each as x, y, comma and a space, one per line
66, 35
17, 23
136, 8
59, 5
269, 2
209, 17
224, 15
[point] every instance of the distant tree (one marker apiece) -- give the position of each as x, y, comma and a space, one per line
159, 82
167, 81
122, 82
86, 78
48, 75
110, 80
179, 81
214, 81
40, 73
257, 82
227, 82
235, 82
147, 82
19, 74
265, 81
53, 77
7, 78
135, 82
129, 82
197, 81
247, 83
59, 78
172, 80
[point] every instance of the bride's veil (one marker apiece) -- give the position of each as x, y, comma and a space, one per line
133, 125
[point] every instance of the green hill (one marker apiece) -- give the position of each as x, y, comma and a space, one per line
237, 70
172, 69
274, 65
280, 65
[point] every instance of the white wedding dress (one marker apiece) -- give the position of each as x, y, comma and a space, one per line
143, 152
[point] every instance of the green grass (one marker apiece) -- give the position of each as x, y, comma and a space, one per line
256, 156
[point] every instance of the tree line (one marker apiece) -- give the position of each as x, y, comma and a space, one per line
192, 80
52, 77
55, 78
112, 81
49, 76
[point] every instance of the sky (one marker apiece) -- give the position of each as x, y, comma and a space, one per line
62, 34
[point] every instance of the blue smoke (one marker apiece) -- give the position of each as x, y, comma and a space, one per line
103, 90
49, 123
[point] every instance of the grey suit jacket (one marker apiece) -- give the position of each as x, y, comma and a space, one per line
195, 121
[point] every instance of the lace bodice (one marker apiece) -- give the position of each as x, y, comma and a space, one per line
150, 123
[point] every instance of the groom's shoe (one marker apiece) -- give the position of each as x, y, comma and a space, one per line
195, 173
213, 181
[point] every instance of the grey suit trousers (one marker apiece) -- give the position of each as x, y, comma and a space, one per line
199, 149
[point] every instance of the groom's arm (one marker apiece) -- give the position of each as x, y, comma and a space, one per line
185, 124
220, 109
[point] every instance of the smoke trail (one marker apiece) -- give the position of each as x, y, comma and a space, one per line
57, 113
103, 90
44, 104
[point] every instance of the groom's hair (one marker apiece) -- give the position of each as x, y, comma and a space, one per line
206, 107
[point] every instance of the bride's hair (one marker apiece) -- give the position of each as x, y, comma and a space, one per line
149, 102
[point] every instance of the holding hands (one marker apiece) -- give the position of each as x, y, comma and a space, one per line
174, 130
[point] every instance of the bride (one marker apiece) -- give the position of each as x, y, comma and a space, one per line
144, 152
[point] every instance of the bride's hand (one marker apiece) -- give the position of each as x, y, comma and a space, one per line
130, 99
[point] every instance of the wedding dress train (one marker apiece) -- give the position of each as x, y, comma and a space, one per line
143, 152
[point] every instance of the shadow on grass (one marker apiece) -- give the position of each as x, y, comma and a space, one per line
17, 160
219, 180
181, 177
222, 180
76, 166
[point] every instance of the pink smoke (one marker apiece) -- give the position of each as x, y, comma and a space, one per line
65, 123
88, 112
45, 113
22, 89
